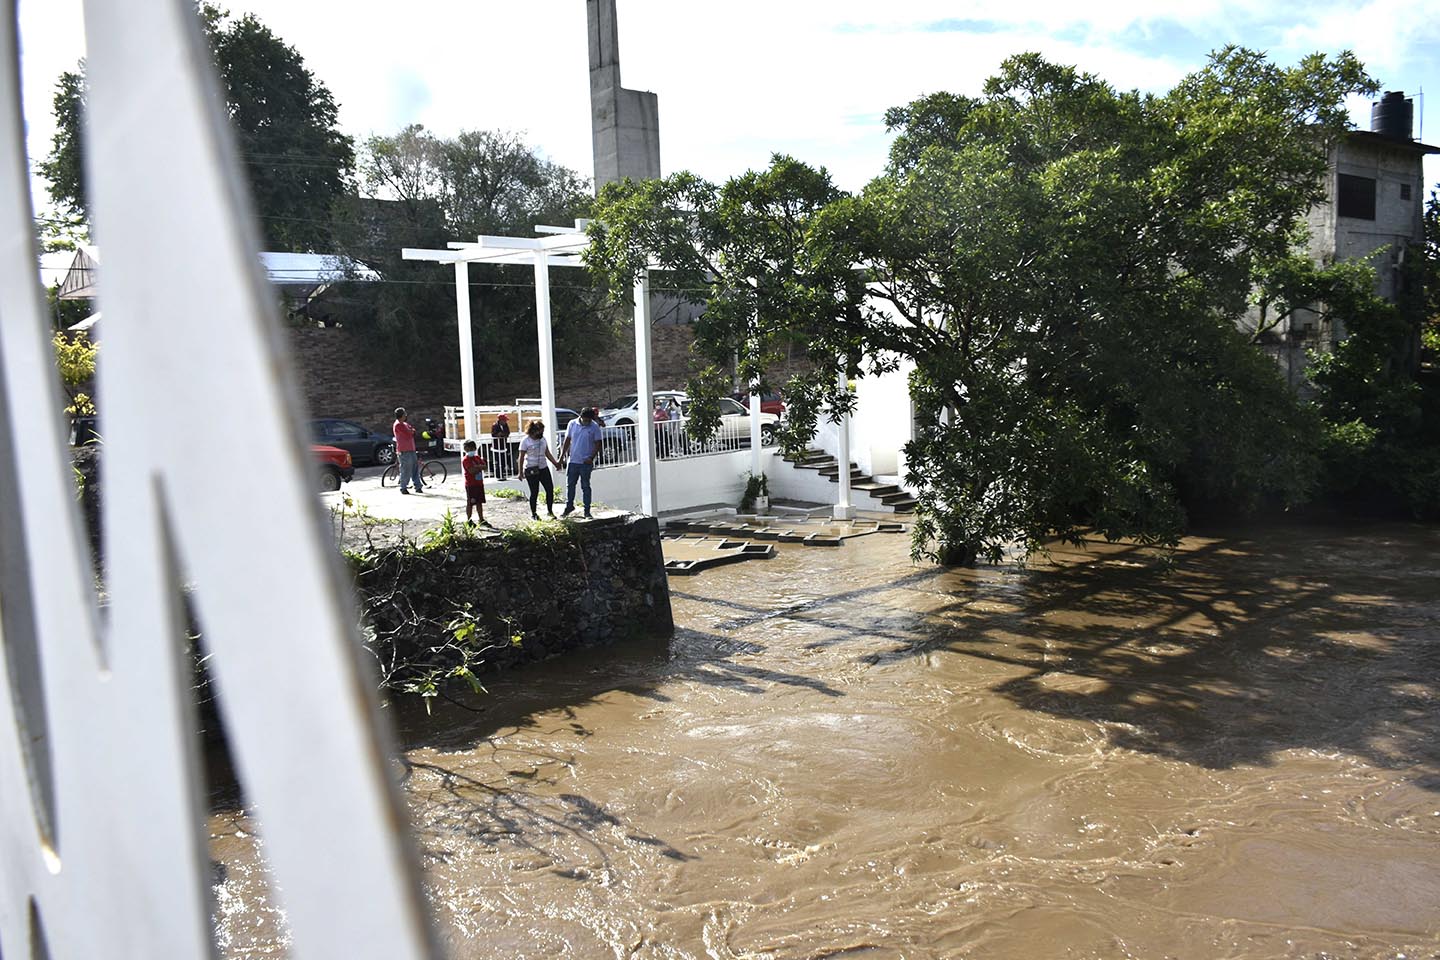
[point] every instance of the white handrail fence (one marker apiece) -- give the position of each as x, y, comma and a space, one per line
103, 849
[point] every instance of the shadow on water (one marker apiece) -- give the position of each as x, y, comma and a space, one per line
1244, 648
525, 815
1246, 645
522, 699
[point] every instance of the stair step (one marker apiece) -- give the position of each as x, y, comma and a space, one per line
903, 506
833, 468
876, 489
890, 499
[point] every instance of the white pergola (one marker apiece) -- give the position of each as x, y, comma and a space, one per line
565, 247
559, 247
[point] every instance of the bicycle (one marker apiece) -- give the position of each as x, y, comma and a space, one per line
431, 471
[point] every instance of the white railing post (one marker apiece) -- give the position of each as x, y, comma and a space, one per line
843, 509
122, 870
547, 349
467, 351
644, 389
755, 429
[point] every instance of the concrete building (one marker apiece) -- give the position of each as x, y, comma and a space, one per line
1375, 189
624, 124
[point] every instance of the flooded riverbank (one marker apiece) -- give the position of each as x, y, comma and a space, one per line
840, 754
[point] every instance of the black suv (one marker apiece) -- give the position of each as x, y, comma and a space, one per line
364, 446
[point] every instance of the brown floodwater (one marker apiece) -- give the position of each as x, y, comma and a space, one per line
840, 754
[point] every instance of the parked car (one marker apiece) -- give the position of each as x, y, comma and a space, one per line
734, 419
622, 412
363, 445
769, 402
336, 467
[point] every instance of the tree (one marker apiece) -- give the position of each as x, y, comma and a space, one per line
1377, 389
297, 161
75, 358
1064, 264
426, 191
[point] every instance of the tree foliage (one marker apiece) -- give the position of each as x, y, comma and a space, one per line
75, 358
296, 160
1377, 389
1061, 264
426, 191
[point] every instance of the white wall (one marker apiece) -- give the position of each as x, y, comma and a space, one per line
883, 421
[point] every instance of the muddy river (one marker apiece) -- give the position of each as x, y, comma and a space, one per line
843, 755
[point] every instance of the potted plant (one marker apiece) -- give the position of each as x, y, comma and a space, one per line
757, 494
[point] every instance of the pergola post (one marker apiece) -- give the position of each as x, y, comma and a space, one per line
644, 431
843, 508
547, 351
755, 429
467, 352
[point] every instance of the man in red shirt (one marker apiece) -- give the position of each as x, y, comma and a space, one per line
404, 434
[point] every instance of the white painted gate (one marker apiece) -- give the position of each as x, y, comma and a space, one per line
102, 844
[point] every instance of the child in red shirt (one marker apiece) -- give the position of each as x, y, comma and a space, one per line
474, 469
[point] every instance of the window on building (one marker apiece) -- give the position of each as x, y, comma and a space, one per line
1404, 191
1356, 197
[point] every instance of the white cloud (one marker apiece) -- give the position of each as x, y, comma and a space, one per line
740, 80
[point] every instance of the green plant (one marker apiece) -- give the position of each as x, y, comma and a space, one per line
447, 534
548, 532
755, 486
75, 358
507, 493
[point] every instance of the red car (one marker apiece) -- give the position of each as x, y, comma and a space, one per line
336, 466
769, 402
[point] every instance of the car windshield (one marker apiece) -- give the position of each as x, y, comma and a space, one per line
623, 402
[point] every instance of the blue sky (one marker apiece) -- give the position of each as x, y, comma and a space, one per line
745, 78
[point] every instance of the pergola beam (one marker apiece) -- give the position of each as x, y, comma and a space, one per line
559, 247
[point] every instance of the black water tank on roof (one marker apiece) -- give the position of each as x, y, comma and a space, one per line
1393, 116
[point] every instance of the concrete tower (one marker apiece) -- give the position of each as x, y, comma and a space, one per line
625, 124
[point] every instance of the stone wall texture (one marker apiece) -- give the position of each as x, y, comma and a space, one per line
340, 378
600, 582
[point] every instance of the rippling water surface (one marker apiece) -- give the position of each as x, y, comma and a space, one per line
843, 755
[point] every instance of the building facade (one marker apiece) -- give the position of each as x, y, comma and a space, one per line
1374, 211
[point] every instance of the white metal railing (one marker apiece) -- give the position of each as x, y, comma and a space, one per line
673, 441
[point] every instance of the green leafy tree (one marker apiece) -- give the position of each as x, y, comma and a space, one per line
426, 191
75, 358
297, 161
1377, 388
1064, 265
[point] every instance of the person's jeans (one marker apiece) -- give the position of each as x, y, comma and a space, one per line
577, 472
410, 470
539, 477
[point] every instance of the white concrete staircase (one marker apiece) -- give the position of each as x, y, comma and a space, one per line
882, 496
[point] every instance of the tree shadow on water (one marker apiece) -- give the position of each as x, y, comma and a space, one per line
1311, 640
523, 812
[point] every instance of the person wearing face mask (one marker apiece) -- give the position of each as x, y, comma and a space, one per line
534, 451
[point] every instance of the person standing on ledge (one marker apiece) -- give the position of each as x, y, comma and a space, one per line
404, 434
474, 469
500, 439
582, 443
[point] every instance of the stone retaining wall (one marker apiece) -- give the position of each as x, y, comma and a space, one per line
492, 603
